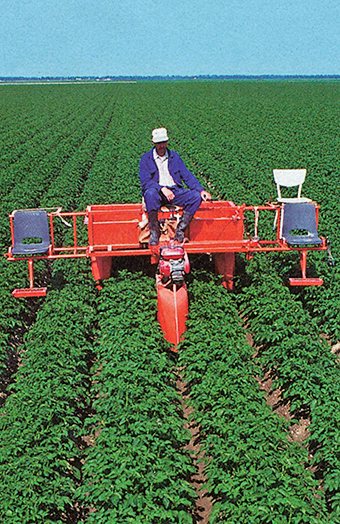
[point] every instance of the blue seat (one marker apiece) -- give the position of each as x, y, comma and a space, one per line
300, 217
31, 233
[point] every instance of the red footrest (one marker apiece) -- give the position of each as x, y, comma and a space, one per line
30, 292
305, 281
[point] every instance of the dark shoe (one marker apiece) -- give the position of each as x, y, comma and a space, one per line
179, 237
154, 238
182, 225
153, 228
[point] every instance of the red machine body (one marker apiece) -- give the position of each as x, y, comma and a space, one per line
172, 294
114, 230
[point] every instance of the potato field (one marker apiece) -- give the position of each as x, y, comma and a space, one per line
96, 414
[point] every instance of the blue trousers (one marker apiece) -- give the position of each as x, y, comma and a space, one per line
189, 199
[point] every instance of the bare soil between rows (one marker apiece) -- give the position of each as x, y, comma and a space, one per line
297, 432
204, 503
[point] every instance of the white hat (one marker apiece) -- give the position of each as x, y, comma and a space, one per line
159, 135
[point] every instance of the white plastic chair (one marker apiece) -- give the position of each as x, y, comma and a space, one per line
290, 178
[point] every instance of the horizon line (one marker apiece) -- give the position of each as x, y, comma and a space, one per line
165, 77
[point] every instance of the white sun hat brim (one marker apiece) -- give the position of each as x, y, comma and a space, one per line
160, 135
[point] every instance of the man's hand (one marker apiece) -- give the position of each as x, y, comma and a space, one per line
168, 193
205, 196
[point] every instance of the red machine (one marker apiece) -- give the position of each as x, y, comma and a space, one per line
115, 230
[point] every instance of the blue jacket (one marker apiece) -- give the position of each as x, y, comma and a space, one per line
149, 175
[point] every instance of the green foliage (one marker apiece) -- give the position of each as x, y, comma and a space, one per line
253, 474
137, 470
41, 423
289, 342
80, 145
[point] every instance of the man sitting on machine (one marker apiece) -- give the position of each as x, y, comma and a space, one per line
162, 173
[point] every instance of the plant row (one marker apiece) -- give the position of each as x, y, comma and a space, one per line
307, 373
40, 425
53, 179
254, 475
136, 471
56, 129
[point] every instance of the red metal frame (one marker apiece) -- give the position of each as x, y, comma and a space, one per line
172, 311
217, 228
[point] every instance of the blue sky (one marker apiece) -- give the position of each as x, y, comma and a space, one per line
179, 37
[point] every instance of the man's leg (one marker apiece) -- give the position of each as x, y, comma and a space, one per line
190, 200
153, 202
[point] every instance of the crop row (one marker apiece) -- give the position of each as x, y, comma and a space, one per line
21, 118
127, 419
57, 131
53, 179
253, 473
250, 129
290, 347
62, 505
234, 174
227, 131
41, 423
136, 471
40, 165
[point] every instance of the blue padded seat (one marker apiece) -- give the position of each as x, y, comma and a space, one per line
300, 217
30, 224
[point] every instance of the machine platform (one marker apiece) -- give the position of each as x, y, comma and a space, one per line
120, 230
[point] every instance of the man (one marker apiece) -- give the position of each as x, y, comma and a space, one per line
162, 173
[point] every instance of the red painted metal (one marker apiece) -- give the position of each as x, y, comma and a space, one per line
303, 262
75, 234
172, 311
30, 292
171, 291
217, 228
52, 232
113, 230
114, 227
101, 269
225, 265
187, 263
305, 281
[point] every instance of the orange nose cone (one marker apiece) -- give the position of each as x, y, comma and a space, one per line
172, 312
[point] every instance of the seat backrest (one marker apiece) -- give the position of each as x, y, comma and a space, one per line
31, 233
298, 225
289, 178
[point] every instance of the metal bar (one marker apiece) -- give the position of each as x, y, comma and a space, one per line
174, 290
72, 213
30, 272
133, 221
70, 248
52, 231
11, 258
305, 281
261, 208
245, 247
75, 233
30, 292
278, 223
256, 222
12, 229
303, 262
